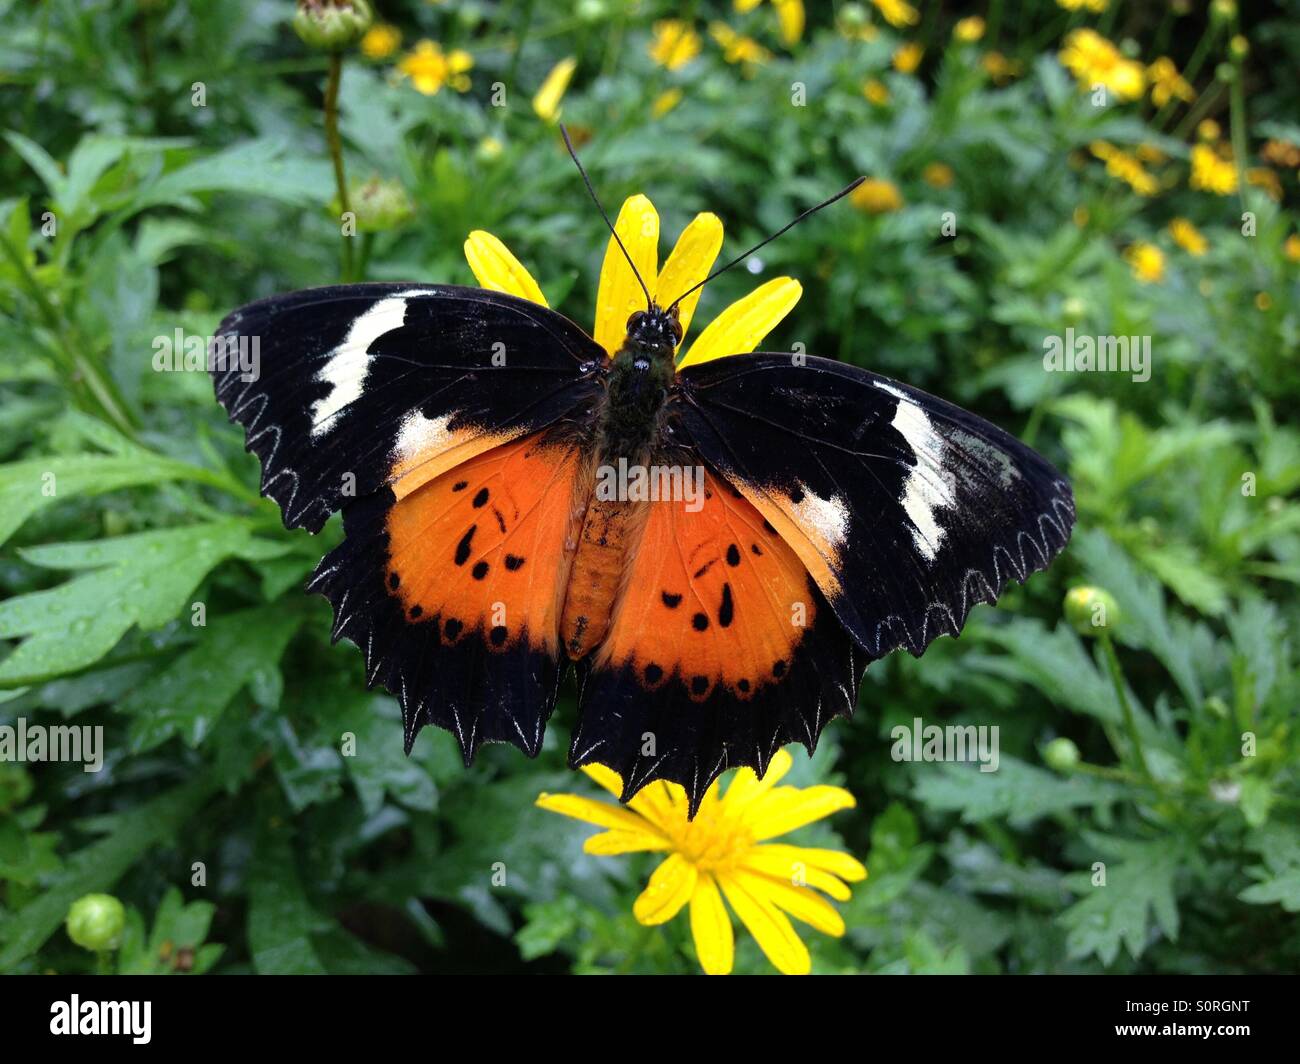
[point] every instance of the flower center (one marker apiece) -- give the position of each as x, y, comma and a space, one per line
713, 841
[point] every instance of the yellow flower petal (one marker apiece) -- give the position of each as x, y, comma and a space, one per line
654, 802
670, 887
612, 843
794, 870
619, 294
787, 808
746, 786
833, 861
741, 327
715, 941
790, 14
602, 814
690, 262
775, 935
547, 101
497, 269
799, 902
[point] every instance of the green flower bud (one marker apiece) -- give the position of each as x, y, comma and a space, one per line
1074, 309
592, 10
1223, 10
379, 205
1239, 47
332, 25
1090, 609
853, 15
96, 921
1226, 73
1062, 755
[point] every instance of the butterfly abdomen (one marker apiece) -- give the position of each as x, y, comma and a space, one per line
639, 377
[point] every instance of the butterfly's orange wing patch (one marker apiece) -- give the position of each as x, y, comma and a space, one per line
481, 548
712, 597
720, 649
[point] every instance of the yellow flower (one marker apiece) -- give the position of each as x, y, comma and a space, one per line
675, 43
725, 852
789, 13
1291, 247
547, 101
1167, 83
937, 175
1093, 60
665, 102
875, 91
1212, 171
908, 57
1095, 6
1147, 262
1125, 167
737, 330
876, 196
1263, 177
1149, 153
490, 148
1187, 237
429, 68
969, 30
898, 13
380, 41
1281, 153
1207, 129
1000, 68
737, 48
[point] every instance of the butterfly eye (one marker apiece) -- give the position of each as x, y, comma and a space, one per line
635, 320
675, 327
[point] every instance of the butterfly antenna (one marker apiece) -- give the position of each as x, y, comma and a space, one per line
762, 244
594, 199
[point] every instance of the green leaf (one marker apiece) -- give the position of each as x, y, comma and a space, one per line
378, 765
99, 866
188, 696
1138, 887
143, 579
282, 174
27, 486
281, 921
1017, 791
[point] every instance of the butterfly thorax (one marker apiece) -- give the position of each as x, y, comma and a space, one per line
637, 385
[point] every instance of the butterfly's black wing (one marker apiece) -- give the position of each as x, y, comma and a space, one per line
906, 509
349, 382
448, 424
849, 515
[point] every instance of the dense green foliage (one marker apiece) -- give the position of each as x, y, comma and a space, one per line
222, 739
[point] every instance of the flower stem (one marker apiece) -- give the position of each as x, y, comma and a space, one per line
335, 144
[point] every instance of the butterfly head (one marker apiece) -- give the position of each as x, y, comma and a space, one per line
655, 332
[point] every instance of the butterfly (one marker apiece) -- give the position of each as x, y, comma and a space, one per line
718, 546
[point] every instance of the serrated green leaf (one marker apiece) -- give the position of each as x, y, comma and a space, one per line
142, 579
188, 696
